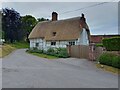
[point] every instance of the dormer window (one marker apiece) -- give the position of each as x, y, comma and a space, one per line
54, 33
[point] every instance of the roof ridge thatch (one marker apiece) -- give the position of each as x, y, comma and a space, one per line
66, 29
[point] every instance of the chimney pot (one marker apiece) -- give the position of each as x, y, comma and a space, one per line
54, 16
83, 17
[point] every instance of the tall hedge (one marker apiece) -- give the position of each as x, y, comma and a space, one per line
110, 60
112, 44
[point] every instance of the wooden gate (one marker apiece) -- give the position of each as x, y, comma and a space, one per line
87, 52
79, 51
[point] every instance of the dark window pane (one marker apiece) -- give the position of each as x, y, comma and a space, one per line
37, 44
53, 43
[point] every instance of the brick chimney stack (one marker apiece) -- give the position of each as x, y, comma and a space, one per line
54, 16
82, 21
83, 17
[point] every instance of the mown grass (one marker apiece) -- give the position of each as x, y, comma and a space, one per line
108, 68
20, 45
43, 55
5, 50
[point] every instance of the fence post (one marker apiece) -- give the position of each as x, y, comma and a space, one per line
69, 50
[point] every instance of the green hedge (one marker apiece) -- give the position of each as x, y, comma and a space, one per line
116, 62
110, 60
112, 44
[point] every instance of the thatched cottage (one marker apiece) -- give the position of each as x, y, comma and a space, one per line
60, 33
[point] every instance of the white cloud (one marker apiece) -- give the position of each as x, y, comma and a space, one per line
99, 18
60, 0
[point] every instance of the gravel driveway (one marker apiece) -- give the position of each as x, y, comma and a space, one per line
22, 70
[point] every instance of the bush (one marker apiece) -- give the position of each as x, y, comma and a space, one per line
116, 62
112, 44
62, 52
50, 51
58, 52
99, 45
35, 50
110, 60
106, 58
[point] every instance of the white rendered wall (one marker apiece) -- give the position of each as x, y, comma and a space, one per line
34, 41
83, 40
59, 44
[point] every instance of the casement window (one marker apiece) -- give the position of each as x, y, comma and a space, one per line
36, 44
53, 43
72, 43
54, 33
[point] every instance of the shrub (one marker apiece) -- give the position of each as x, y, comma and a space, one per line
112, 44
50, 51
116, 62
35, 50
110, 59
62, 52
58, 52
106, 58
99, 45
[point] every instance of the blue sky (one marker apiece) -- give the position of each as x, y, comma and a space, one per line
102, 19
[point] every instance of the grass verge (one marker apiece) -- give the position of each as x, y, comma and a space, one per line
108, 68
9, 47
43, 55
20, 45
5, 50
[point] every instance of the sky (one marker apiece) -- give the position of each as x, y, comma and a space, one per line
101, 19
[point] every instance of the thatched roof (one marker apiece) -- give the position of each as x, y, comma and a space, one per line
68, 29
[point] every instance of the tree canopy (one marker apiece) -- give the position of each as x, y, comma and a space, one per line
16, 27
28, 23
11, 24
42, 19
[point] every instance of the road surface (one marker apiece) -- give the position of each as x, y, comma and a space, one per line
22, 70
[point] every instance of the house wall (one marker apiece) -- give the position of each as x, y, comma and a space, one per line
34, 41
47, 44
62, 44
83, 40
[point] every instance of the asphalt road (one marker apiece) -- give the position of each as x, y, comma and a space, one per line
22, 70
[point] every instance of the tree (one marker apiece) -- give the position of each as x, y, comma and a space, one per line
28, 23
42, 19
11, 25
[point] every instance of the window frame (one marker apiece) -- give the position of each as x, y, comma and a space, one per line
53, 43
37, 44
71, 42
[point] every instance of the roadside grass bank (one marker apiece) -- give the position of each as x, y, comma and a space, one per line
108, 68
5, 50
